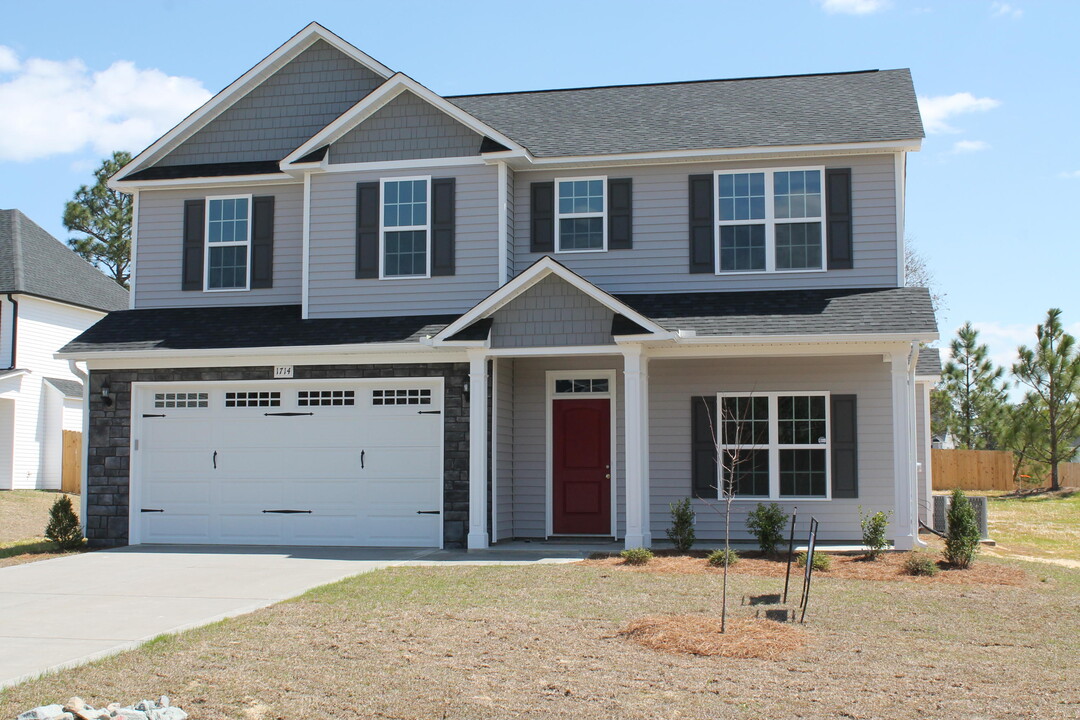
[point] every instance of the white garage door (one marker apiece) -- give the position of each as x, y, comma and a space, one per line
289, 463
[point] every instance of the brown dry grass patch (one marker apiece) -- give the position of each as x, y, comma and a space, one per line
889, 567
700, 635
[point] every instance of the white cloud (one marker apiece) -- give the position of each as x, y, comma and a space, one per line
854, 7
9, 61
1069, 175
57, 107
969, 146
937, 110
1002, 9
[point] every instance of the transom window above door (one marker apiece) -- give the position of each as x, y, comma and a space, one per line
770, 220
581, 215
405, 227
228, 242
581, 386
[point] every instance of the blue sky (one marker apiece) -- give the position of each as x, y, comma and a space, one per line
989, 196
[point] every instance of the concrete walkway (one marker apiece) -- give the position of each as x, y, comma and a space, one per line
66, 611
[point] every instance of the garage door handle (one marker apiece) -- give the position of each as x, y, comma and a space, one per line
429, 512
215, 459
288, 512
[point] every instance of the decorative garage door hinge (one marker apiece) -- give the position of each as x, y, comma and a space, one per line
146, 415
288, 512
152, 510
287, 414
429, 412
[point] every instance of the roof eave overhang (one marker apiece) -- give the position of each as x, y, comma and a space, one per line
835, 338
418, 346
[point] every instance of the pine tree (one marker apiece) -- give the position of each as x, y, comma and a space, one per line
1052, 372
63, 528
976, 391
103, 216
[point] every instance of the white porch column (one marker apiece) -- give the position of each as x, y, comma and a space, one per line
478, 536
635, 372
905, 524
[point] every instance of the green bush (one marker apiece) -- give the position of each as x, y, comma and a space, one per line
681, 532
636, 556
716, 557
63, 528
962, 531
767, 523
917, 563
873, 532
821, 560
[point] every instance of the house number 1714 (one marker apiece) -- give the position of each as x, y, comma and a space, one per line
282, 372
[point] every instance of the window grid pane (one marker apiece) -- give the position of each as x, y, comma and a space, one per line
581, 233
802, 473
800, 419
227, 267
405, 203
228, 220
797, 194
742, 196
581, 196
798, 246
742, 248
750, 470
406, 253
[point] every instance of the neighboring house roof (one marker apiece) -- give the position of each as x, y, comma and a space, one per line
33, 262
928, 363
67, 388
869, 106
244, 327
791, 312
780, 312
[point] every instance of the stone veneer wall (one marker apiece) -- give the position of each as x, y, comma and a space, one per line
108, 475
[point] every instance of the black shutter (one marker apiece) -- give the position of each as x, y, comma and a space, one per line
367, 230
702, 232
838, 218
620, 214
262, 242
191, 272
442, 226
542, 217
844, 440
703, 461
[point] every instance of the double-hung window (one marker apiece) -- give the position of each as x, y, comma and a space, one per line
228, 242
405, 228
775, 445
770, 220
581, 215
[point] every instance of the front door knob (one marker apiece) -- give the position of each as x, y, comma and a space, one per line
608, 476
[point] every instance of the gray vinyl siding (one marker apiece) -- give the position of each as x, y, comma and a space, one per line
552, 313
659, 260
406, 128
334, 290
159, 249
673, 382
504, 445
279, 115
530, 439
510, 204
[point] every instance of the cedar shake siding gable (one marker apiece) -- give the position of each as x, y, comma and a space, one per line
278, 115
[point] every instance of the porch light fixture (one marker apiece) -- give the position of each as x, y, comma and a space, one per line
466, 389
106, 391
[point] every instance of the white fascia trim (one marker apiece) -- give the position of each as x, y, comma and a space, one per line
305, 267
503, 231
900, 165
354, 349
378, 98
890, 146
134, 251
814, 339
398, 164
241, 86
205, 182
535, 273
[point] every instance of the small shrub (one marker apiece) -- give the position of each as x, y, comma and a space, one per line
821, 561
767, 523
716, 557
636, 556
962, 531
873, 532
681, 532
917, 563
63, 528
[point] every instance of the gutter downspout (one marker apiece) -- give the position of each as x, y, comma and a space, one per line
14, 329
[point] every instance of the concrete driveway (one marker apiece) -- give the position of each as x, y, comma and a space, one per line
62, 612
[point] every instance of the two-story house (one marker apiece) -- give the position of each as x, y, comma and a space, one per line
367, 314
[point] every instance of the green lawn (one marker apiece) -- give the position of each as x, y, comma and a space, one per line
1044, 526
542, 642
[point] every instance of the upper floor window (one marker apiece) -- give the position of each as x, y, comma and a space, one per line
581, 215
228, 242
770, 220
405, 227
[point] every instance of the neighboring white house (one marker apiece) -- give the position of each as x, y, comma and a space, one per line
48, 295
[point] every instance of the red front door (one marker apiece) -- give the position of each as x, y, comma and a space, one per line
581, 467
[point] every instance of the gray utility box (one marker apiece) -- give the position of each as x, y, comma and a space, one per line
941, 509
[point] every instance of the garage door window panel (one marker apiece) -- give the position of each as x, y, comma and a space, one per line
256, 398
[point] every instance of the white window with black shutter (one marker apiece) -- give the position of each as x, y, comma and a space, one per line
775, 446
228, 243
405, 228
581, 215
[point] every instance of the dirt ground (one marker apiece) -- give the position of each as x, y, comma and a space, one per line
24, 513
544, 642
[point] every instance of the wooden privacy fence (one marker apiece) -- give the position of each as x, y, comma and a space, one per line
985, 470
71, 474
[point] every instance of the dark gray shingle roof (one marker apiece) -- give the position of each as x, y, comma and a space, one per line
794, 110
791, 312
34, 262
69, 388
244, 327
929, 362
